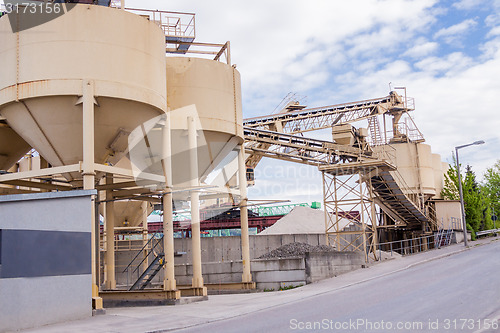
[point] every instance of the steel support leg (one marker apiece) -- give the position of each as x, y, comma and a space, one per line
245, 243
110, 282
89, 180
197, 281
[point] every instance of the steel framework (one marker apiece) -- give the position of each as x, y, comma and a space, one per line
355, 177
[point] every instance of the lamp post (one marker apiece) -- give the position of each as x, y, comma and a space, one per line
464, 223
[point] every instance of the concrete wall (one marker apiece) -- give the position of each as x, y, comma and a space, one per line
273, 273
324, 265
45, 259
216, 249
277, 273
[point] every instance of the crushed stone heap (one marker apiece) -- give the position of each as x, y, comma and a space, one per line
295, 250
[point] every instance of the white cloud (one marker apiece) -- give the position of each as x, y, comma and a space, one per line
453, 33
468, 4
452, 63
421, 48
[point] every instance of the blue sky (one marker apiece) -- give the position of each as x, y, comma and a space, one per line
447, 54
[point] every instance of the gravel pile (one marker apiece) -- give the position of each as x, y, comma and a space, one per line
295, 250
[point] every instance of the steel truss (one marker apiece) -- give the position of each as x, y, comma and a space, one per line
325, 117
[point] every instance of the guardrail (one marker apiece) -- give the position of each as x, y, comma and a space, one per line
486, 232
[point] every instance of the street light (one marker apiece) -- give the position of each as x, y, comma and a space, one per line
464, 224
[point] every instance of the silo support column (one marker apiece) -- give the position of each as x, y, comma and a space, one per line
245, 240
197, 283
110, 282
89, 179
144, 208
169, 282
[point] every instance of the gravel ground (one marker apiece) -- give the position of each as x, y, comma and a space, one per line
295, 250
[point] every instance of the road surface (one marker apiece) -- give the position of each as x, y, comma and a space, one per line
459, 293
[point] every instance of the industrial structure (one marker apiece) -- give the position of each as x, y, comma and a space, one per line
103, 117
116, 115
384, 164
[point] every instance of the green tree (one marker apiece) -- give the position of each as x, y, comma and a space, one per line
491, 186
476, 203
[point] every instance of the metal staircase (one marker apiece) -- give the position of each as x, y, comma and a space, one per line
152, 250
149, 274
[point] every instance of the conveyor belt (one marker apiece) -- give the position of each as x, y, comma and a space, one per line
392, 196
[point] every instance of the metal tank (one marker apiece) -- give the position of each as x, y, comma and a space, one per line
438, 174
214, 89
119, 55
415, 164
204, 106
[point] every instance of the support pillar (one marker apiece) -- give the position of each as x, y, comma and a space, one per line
110, 282
89, 180
245, 240
197, 282
169, 282
144, 209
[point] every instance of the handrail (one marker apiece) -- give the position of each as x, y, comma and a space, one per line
145, 257
139, 252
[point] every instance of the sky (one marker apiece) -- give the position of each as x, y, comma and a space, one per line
446, 53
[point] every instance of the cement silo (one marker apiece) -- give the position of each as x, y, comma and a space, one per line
210, 93
438, 174
75, 87
415, 164
113, 55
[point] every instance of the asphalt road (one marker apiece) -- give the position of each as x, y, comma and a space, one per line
460, 293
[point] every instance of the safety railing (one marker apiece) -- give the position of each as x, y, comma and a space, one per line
407, 246
173, 24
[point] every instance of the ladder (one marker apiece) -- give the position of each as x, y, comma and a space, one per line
375, 133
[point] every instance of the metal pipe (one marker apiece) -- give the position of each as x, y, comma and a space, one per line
169, 282
464, 223
245, 241
110, 282
197, 281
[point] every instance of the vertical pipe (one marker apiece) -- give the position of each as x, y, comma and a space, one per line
89, 178
110, 238
245, 240
464, 223
195, 204
144, 210
88, 136
169, 282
